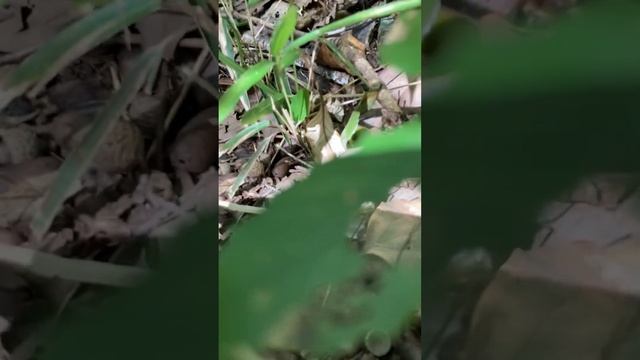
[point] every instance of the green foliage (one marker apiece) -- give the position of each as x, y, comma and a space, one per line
243, 135
404, 50
169, 316
245, 81
300, 105
283, 31
261, 280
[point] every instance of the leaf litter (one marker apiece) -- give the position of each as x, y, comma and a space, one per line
337, 85
149, 161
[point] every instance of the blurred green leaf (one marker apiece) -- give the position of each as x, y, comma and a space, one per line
398, 298
351, 127
284, 30
261, 280
245, 81
72, 42
228, 62
402, 47
300, 105
243, 135
288, 57
226, 47
77, 163
407, 137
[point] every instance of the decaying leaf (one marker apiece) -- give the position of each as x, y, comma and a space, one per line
393, 232
571, 301
324, 141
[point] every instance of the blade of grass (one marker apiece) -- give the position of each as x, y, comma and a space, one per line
283, 31
242, 175
243, 135
80, 159
228, 62
248, 79
226, 46
84, 271
72, 42
263, 108
373, 13
350, 128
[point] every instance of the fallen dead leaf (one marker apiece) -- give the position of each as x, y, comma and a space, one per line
574, 301
324, 141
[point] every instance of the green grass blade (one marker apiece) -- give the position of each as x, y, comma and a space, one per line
373, 13
242, 175
243, 135
351, 127
244, 82
72, 42
207, 28
229, 63
260, 110
80, 159
284, 30
300, 105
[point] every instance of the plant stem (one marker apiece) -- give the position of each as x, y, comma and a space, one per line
373, 13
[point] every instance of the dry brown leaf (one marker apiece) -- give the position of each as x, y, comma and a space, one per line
324, 141
575, 301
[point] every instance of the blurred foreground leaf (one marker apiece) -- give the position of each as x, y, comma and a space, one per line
262, 277
169, 316
522, 121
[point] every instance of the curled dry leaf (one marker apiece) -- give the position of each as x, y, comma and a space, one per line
122, 149
148, 112
324, 141
194, 150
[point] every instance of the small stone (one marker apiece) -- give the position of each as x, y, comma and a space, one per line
377, 342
